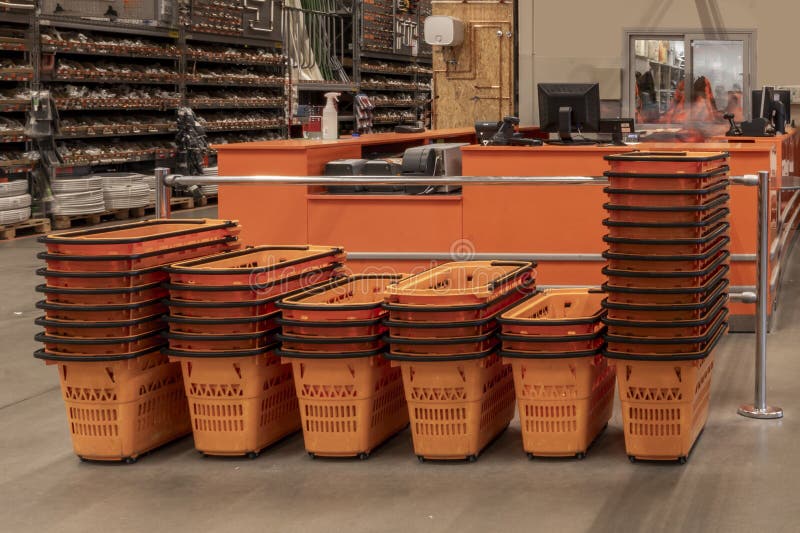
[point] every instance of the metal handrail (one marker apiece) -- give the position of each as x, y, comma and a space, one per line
759, 408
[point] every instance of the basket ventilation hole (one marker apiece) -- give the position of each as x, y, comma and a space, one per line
628, 370
64, 372
238, 369
411, 374
678, 375
302, 369
462, 374
189, 369
573, 370
351, 370
110, 373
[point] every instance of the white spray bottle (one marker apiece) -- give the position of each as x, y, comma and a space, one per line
330, 117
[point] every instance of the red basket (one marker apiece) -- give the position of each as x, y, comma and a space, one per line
99, 330
664, 214
354, 298
186, 342
555, 312
437, 330
673, 164
665, 198
331, 329
461, 283
672, 329
624, 295
667, 263
665, 230
102, 280
90, 346
556, 344
679, 246
667, 280
120, 263
101, 313
659, 346
452, 314
640, 312
139, 237
442, 346
248, 293
331, 345
222, 326
90, 297
262, 265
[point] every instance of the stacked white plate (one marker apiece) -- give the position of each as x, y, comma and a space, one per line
126, 196
14, 216
13, 188
15, 202
211, 189
91, 183
79, 203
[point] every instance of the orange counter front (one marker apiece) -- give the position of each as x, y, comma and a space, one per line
561, 224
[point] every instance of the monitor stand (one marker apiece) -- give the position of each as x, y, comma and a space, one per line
565, 130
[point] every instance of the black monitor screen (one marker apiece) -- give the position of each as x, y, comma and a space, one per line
785, 97
581, 99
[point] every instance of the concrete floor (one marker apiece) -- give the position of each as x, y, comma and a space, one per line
742, 476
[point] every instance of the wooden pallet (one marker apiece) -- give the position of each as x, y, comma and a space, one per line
182, 202
69, 221
35, 225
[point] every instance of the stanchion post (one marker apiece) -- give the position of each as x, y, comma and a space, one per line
163, 194
759, 408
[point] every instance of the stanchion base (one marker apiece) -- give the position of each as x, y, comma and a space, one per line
750, 411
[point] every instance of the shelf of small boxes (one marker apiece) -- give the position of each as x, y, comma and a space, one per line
238, 56
142, 126
107, 72
243, 78
13, 70
66, 103
81, 43
234, 102
405, 70
112, 153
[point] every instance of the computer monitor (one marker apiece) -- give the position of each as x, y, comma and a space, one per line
762, 111
568, 107
619, 128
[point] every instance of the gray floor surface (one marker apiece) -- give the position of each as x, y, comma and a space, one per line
742, 476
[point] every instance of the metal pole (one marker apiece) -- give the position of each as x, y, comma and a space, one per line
163, 193
759, 408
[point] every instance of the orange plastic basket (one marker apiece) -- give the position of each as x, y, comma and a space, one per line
647, 347
354, 298
331, 345
666, 230
664, 214
436, 330
664, 406
555, 312
131, 295
461, 283
123, 328
668, 329
673, 163
121, 407
91, 346
667, 279
624, 295
666, 313
220, 343
456, 407
666, 263
101, 313
564, 404
240, 403
102, 280
223, 326
248, 293
139, 237
440, 315
349, 406
666, 197
442, 346
333, 329
552, 344
124, 263
680, 246
262, 265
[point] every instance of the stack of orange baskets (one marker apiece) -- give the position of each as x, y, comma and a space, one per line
223, 330
565, 387
443, 336
351, 399
668, 261
103, 328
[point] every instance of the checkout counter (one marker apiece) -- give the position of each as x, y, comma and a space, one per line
560, 224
